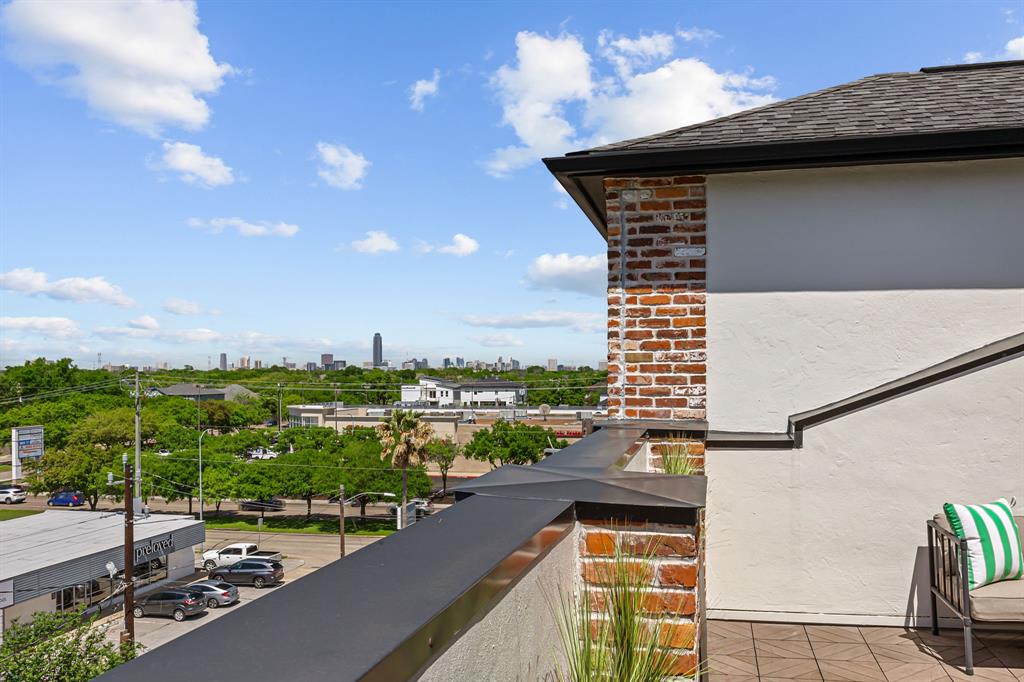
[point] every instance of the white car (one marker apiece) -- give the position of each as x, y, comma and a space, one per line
163, 452
233, 553
10, 495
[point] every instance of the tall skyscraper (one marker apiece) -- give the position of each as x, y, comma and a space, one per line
378, 350
552, 365
327, 360
223, 362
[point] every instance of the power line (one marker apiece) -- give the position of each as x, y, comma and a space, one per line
57, 393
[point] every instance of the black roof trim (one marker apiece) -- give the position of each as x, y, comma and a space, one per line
571, 171
972, 67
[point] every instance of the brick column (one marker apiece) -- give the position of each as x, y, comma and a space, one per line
672, 572
656, 297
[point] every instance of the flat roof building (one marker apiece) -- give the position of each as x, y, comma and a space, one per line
57, 560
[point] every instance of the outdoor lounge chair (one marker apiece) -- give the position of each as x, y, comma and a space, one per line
994, 605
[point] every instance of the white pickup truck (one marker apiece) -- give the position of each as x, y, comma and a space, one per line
225, 556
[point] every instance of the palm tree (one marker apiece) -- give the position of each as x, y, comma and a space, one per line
404, 438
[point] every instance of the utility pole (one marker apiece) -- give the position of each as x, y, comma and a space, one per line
280, 388
137, 501
341, 519
128, 635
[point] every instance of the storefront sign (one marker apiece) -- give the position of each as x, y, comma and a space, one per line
154, 548
26, 443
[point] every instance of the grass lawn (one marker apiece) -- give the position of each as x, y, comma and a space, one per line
8, 514
5, 467
318, 524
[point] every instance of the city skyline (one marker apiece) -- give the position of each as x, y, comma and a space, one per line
409, 188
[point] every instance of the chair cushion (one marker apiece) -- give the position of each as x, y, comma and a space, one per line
992, 541
1002, 601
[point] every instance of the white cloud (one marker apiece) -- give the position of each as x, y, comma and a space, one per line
180, 306
695, 33
144, 65
582, 322
461, 245
423, 89
582, 274
1015, 48
549, 73
45, 326
196, 167
245, 228
144, 322
676, 94
497, 340
626, 54
341, 167
972, 57
376, 241
645, 92
174, 336
76, 289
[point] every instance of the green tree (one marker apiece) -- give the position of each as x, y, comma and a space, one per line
59, 647
308, 473
78, 467
442, 452
506, 443
403, 439
220, 476
174, 477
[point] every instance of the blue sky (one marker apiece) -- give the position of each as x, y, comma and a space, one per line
287, 180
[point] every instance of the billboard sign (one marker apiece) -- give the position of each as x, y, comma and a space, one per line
26, 443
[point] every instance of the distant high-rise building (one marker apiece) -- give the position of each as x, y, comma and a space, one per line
223, 362
312, 367
460, 362
338, 365
258, 364
552, 365
244, 362
446, 363
327, 360
515, 364
378, 350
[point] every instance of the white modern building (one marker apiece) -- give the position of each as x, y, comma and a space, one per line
61, 560
436, 392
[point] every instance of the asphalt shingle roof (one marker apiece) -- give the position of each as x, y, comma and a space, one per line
933, 100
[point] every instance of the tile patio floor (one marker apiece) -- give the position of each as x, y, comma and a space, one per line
751, 652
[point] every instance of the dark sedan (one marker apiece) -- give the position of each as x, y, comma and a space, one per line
272, 504
250, 572
177, 603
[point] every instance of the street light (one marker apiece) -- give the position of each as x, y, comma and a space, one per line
205, 431
341, 513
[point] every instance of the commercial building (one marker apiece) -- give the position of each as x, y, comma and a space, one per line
327, 360
223, 362
378, 350
552, 365
437, 392
59, 560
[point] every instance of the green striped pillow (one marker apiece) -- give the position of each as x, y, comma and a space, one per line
993, 543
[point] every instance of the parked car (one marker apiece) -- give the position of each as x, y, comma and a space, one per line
261, 453
163, 452
255, 572
271, 504
422, 506
66, 498
177, 603
225, 556
12, 494
216, 593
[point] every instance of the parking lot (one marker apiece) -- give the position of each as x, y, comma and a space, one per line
302, 554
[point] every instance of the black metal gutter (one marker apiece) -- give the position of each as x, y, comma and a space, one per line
965, 363
572, 170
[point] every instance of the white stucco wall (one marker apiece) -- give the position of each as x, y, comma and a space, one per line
835, 532
825, 283
518, 639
